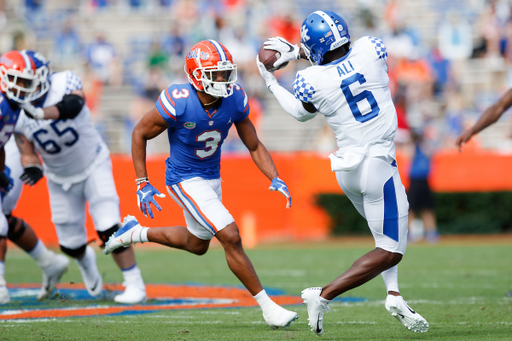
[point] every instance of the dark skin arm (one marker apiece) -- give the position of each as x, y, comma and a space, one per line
490, 116
149, 127
259, 153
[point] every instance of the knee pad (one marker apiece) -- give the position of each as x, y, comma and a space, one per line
16, 228
73, 252
105, 235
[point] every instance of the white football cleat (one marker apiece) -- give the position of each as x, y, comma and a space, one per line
279, 317
316, 309
124, 236
133, 294
52, 274
411, 320
4, 293
90, 274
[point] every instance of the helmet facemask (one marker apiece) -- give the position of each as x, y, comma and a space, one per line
217, 80
18, 86
42, 83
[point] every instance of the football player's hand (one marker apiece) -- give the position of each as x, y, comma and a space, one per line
268, 76
145, 193
32, 174
462, 139
6, 183
288, 51
32, 112
279, 185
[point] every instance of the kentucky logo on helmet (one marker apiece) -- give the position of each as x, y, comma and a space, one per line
304, 33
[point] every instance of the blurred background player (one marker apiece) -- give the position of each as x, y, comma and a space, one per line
419, 194
349, 86
51, 264
197, 117
17, 82
78, 169
490, 116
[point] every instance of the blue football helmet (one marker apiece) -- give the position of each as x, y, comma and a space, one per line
42, 74
321, 32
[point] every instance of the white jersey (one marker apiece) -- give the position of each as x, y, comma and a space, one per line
71, 149
353, 95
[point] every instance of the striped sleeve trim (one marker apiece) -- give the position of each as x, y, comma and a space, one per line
167, 104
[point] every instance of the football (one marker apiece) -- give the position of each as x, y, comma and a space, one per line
269, 57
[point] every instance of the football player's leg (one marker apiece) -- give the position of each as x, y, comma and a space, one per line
4, 293
68, 216
100, 192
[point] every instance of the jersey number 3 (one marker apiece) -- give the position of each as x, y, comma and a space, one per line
211, 141
354, 100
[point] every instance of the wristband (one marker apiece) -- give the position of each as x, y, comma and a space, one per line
141, 180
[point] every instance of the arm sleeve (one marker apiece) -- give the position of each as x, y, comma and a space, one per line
166, 107
290, 104
242, 104
73, 82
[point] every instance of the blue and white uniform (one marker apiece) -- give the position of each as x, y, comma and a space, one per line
353, 95
193, 168
9, 113
76, 163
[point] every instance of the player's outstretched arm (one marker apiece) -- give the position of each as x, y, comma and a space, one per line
150, 126
490, 116
300, 111
68, 108
262, 158
32, 168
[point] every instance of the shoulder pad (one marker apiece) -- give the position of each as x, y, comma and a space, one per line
379, 47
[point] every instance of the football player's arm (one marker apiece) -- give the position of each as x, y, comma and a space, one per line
490, 116
68, 108
262, 158
32, 168
299, 110
150, 126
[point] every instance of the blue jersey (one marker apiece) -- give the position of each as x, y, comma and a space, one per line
9, 113
196, 135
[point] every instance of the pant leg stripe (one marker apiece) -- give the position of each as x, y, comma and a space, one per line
390, 210
192, 208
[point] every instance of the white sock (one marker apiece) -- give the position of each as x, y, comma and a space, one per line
41, 254
264, 301
141, 236
88, 258
132, 275
390, 277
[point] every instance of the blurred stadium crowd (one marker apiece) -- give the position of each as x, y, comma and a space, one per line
448, 59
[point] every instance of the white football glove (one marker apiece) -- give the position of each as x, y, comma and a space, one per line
288, 51
268, 76
33, 112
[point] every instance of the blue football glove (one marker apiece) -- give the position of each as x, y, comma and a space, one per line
145, 193
279, 185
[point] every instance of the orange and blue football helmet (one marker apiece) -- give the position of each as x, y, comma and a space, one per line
210, 68
17, 76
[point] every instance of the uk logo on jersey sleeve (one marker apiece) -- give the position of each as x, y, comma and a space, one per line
302, 89
380, 48
73, 82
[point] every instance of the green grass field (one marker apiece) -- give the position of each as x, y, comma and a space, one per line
459, 289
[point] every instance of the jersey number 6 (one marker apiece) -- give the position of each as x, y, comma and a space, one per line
353, 100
